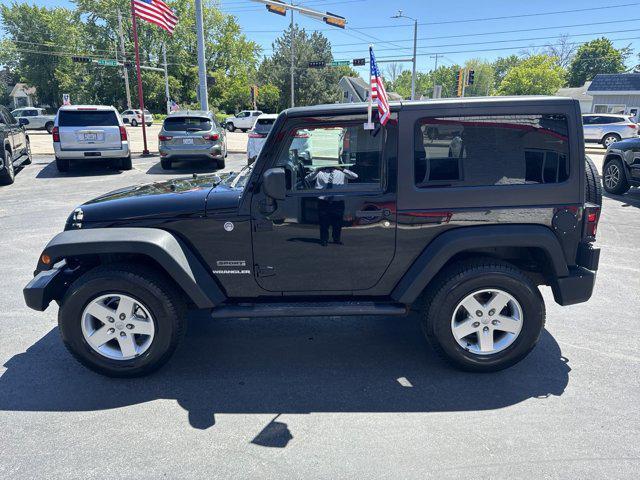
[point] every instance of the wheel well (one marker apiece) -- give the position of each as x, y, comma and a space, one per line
611, 156
84, 263
531, 260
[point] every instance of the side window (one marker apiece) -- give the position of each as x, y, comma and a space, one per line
30, 113
336, 157
588, 120
255, 114
491, 150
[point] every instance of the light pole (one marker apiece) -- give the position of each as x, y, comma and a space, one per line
202, 67
415, 45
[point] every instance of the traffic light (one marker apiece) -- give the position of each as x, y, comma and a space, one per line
460, 81
470, 77
277, 8
81, 59
335, 20
359, 62
318, 64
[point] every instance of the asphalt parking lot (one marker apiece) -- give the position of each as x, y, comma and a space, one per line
314, 397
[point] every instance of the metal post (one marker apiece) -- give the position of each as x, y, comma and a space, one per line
413, 74
145, 151
202, 68
125, 72
166, 78
464, 80
293, 59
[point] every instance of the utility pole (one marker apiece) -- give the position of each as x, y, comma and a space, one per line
166, 77
293, 60
464, 81
202, 68
415, 46
125, 72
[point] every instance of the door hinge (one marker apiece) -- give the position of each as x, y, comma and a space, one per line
265, 271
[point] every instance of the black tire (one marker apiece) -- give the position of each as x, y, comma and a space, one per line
8, 173
146, 285
134, 123
614, 177
165, 164
610, 138
125, 163
593, 187
457, 282
62, 164
230, 127
221, 163
149, 124
29, 159
49, 127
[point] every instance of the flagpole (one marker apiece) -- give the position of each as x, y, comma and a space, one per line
369, 125
145, 151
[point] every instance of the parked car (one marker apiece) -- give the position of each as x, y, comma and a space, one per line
608, 128
192, 135
134, 117
258, 136
85, 133
34, 118
15, 146
621, 167
455, 239
243, 120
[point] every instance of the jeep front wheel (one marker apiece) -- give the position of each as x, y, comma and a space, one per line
483, 315
121, 321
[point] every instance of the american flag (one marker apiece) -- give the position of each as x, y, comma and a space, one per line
378, 93
156, 11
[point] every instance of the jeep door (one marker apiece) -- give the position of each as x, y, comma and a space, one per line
335, 229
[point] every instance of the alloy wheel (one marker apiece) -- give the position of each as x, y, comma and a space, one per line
487, 321
611, 176
610, 140
117, 326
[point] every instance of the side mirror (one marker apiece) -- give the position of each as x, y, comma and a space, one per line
274, 183
23, 121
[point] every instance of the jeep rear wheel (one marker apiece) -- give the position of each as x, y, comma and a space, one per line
121, 321
483, 315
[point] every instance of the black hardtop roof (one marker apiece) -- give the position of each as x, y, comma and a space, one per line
344, 108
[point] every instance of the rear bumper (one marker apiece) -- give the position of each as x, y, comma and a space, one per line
46, 286
207, 152
578, 286
92, 153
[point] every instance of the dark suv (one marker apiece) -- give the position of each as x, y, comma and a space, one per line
621, 168
14, 146
461, 227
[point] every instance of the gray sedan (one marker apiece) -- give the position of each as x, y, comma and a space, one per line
191, 135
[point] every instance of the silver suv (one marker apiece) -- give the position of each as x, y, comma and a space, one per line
608, 128
90, 132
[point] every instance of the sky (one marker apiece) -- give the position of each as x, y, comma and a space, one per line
456, 31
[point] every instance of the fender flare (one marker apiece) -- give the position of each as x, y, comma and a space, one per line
177, 260
446, 245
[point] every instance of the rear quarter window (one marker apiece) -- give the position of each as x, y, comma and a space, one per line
80, 118
178, 124
491, 150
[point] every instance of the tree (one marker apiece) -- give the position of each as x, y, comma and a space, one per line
502, 65
392, 71
483, 78
536, 75
312, 86
594, 57
268, 98
563, 50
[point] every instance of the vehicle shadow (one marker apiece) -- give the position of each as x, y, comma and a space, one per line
629, 199
186, 167
92, 169
279, 366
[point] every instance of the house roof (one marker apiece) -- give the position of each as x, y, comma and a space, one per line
22, 90
360, 89
577, 93
615, 83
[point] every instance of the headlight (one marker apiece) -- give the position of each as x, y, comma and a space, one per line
75, 220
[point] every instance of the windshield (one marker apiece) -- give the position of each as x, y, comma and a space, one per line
263, 125
177, 124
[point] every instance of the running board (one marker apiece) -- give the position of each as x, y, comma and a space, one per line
308, 309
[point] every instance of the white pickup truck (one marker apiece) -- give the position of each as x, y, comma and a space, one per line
34, 118
244, 120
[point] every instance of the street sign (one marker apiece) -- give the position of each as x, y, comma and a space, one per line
340, 63
66, 99
80, 59
358, 62
107, 63
318, 64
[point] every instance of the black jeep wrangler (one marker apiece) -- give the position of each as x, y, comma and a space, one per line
457, 210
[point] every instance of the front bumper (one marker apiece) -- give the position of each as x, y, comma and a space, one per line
578, 286
92, 153
47, 285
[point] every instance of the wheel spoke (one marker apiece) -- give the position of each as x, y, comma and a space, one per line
507, 324
498, 301
127, 345
485, 340
141, 327
471, 305
126, 306
101, 312
100, 336
464, 329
